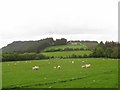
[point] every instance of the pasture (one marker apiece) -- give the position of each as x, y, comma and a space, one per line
103, 73
62, 47
66, 53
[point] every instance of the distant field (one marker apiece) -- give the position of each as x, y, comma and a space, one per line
66, 46
66, 53
103, 73
91, 45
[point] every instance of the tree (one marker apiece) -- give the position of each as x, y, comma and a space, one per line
98, 52
108, 52
61, 41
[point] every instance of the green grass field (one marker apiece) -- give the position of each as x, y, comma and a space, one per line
66, 53
65, 46
103, 73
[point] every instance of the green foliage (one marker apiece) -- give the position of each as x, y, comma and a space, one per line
108, 50
65, 48
61, 41
22, 56
115, 53
98, 52
28, 46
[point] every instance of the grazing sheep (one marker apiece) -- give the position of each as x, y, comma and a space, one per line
35, 68
54, 67
58, 67
86, 66
83, 66
72, 62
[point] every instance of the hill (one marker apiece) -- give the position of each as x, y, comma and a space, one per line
73, 49
39, 45
66, 51
32, 46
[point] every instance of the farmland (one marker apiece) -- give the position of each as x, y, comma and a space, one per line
66, 53
62, 47
102, 74
62, 53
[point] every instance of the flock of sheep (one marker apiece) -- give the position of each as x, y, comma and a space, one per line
55, 67
59, 67
37, 67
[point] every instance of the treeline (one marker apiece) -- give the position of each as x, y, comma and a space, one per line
33, 46
82, 41
13, 56
74, 56
107, 49
30, 50
67, 49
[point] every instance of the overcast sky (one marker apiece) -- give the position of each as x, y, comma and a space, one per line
70, 19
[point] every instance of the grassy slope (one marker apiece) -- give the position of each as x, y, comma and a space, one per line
65, 46
103, 73
66, 53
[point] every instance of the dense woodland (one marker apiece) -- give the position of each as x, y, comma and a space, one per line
31, 50
32, 46
108, 50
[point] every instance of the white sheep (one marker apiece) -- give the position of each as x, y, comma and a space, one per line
86, 66
72, 62
54, 67
58, 67
83, 66
35, 68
